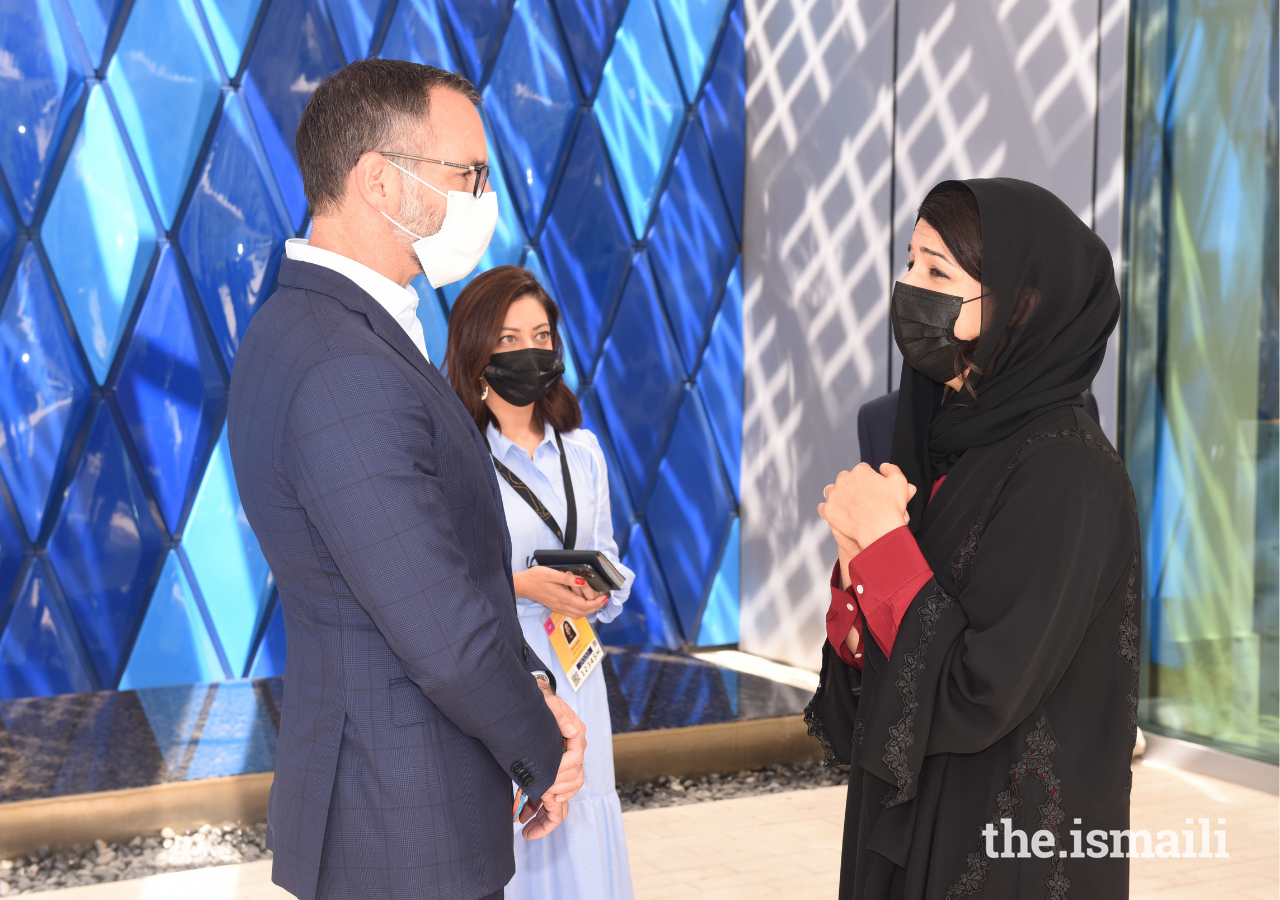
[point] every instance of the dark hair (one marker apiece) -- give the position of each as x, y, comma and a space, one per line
368, 105
475, 322
953, 212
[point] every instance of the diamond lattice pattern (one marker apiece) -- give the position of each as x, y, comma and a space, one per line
148, 182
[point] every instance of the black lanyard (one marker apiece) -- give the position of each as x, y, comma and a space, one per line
570, 533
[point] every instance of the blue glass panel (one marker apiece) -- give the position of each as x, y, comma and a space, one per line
45, 394
692, 27
588, 29
646, 617
11, 549
281, 76
173, 714
41, 84
692, 245
166, 91
435, 322
37, 650
173, 646
105, 547
99, 235
689, 512
720, 378
640, 380
637, 675
586, 244
723, 113
507, 243
620, 507
571, 377
238, 735
231, 235
417, 33
356, 21
721, 617
231, 573
640, 109
531, 103
170, 390
477, 25
231, 22
8, 234
94, 19
270, 658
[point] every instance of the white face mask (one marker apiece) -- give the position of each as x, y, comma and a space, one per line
451, 253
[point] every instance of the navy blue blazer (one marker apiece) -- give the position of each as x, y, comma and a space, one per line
409, 707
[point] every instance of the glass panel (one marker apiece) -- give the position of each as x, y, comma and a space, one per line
417, 33
94, 18
231, 21
689, 512
40, 88
105, 547
507, 243
586, 244
640, 108
692, 28
477, 25
1200, 413
173, 646
231, 234
38, 654
531, 102
720, 378
723, 113
281, 76
692, 245
588, 29
270, 658
720, 620
8, 234
170, 390
11, 549
99, 235
646, 617
166, 91
230, 570
355, 21
640, 381
45, 396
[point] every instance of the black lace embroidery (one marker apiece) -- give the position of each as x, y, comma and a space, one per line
1128, 641
968, 550
1036, 761
818, 730
859, 732
900, 735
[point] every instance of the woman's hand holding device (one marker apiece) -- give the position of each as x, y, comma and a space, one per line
561, 592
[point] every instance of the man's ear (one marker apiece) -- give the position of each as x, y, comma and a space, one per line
375, 181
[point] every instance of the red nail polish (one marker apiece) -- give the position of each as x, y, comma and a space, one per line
580, 580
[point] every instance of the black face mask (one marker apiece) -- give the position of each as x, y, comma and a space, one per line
924, 325
522, 377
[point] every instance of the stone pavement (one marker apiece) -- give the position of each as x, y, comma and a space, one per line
788, 845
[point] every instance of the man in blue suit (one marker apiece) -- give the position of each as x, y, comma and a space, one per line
411, 699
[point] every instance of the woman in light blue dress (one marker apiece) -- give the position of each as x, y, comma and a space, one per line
504, 360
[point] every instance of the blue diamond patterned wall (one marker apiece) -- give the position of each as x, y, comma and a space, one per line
99, 234
585, 129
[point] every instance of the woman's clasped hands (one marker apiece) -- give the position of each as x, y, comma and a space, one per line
864, 505
561, 592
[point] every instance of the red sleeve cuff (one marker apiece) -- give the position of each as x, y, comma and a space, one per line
842, 615
886, 577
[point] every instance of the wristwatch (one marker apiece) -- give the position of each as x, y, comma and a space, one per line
542, 676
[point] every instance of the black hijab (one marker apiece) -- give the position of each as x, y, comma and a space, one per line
1050, 303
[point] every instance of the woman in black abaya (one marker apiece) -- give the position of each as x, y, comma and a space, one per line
982, 659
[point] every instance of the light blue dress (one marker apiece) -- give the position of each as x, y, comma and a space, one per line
585, 858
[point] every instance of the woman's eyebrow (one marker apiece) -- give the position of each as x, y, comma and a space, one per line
941, 256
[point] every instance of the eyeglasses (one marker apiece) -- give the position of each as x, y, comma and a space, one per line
481, 172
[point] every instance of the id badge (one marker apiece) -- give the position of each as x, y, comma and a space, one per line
576, 646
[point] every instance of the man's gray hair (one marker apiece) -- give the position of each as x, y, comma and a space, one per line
371, 104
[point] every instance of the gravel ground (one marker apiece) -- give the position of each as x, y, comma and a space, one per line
216, 845
667, 791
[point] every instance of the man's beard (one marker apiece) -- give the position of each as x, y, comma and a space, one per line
416, 215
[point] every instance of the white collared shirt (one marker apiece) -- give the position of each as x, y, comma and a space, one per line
400, 302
